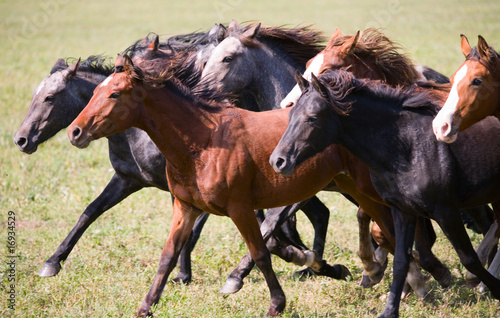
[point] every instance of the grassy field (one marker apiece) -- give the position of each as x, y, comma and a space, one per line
111, 268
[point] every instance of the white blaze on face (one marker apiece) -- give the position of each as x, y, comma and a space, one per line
106, 81
295, 93
443, 123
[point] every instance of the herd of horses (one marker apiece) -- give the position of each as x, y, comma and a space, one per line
243, 118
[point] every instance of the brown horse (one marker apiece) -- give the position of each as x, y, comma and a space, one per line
475, 92
217, 161
370, 54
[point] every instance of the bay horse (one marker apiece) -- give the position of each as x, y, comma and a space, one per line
237, 66
216, 161
137, 162
153, 58
388, 129
475, 92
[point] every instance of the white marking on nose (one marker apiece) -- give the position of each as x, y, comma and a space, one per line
443, 123
295, 93
106, 81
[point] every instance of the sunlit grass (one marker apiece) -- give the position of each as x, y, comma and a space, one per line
111, 268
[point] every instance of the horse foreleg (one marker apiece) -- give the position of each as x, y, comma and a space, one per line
424, 240
373, 270
404, 225
274, 218
118, 189
247, 224
183, 220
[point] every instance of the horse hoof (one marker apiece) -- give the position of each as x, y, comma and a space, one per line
336, 271
445, 279
231, 286
367, 282
303, 274
182, 279
144, 312
49, 270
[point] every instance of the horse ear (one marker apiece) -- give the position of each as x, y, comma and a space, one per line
335, 34
464, 45
128, 65
218, 31
349, 45
153, 46
301, 81
252, 32
318, 85
119, 63
482, 47
73, 68
58, 66
233, 24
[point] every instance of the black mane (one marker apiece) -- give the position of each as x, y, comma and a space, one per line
341, 85
93, 64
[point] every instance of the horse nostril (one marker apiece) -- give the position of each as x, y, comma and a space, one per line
77, 132
22, 142
280, 162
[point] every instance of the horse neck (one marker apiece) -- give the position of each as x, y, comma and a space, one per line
274, 77
370, 132
180, 128
84, 85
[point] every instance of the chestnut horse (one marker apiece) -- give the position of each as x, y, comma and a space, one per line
217, 161
388, 129
475, 92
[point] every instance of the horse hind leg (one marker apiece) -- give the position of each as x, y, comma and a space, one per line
483, 250
185, 272
373, 271
117, 189
453, 227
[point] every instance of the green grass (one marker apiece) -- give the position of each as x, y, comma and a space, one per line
111, 268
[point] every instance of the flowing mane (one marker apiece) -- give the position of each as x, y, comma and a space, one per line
301, 43
375, 47
340, 84
492, 62
93, 64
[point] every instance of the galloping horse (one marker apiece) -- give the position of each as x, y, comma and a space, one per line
236, 65
290, 49
475, 92
370, 54
135, 158
217, 161
388, 129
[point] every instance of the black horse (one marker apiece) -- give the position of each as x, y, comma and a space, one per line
390, 130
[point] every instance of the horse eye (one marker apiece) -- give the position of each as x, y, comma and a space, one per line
114, 95
477, 81
227, 59
312, 120
49, 99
